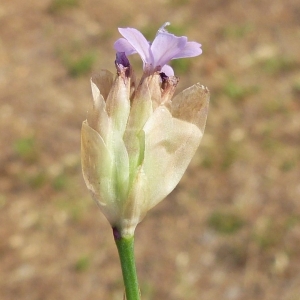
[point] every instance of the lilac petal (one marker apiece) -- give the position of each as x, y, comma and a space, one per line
168, 70
122, 45
138, 42
191, 49
166, 46
121, 59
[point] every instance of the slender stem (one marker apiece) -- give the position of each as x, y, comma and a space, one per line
125, 247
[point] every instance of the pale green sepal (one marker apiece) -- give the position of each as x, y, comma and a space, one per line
134, 137
136, 206
97, 168
116, 146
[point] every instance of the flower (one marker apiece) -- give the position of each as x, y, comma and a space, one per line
137, 141
165, 47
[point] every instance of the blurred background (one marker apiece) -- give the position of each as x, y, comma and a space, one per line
230, 230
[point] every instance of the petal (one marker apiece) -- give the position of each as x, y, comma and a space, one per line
165, 46
138, 42
122, 45
168, 70
122, 62
191, 49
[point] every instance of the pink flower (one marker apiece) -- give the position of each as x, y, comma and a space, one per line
156, 55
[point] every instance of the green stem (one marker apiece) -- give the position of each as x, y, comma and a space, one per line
125, 247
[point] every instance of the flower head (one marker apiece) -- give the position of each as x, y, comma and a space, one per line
137, 141
156, 55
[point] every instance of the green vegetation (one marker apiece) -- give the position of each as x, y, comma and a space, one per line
106, 35
270, 143
38, 179
74, 207
292, 221
178, 3
267, 235
59, 5
288, 165
276, 106
230, 154
76, 58
3, 200
225, 222
83, 263
178, 30
207, 161
78, 66
181, 66
26, 149
148, 290
296, 88
237, 91
60, 181
237, 31
279, 64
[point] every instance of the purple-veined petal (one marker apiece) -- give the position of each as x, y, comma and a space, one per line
168, 70
166, 46
138, 42
122, 45
191, 49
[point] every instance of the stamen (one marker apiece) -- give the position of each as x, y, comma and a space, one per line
162, 28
